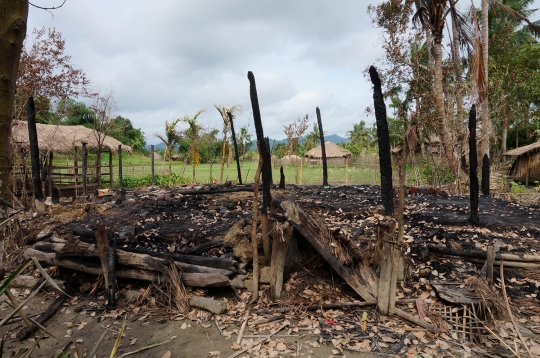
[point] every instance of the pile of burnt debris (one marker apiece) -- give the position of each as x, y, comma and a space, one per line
448, 273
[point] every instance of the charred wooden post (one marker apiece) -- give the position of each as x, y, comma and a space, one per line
323, 148
120, 176
473, 165
103, 250
255, 211
389, 266
485, 175
55, 195
385, 160
153, 171
34, 147
264, 153
281, 178
111, 262
84, 167
235, 149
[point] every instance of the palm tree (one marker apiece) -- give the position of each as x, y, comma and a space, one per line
171, 139
224, 112
433, 13
503, 22
312, 138
193, 134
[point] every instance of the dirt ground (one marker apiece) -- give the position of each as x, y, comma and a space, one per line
166, 219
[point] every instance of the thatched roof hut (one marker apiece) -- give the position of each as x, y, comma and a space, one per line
287, 160
332, 151
63, 139
526, 167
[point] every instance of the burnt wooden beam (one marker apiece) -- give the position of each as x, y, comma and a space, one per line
51, 310
473, 166
301, 221
323, 148
383, 138
34, 147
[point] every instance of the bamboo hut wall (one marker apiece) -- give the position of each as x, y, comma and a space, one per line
522, 163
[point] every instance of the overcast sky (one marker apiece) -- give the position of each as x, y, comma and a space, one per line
168, 58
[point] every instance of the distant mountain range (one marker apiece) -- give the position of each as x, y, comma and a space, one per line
334, 138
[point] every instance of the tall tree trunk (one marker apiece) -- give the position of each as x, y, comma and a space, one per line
439, 99
13, 18
504, 135
456, 57
487, 126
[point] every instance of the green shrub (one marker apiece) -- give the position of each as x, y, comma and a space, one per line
146, 180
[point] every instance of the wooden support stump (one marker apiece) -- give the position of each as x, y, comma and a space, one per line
103, 250
281, 178
111, 274
281, 239
390, 262
490, 260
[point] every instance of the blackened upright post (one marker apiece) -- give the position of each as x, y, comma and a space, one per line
263, 144
383, 138
235, 149
152, 156
323, 149
34, 148
281, 178
485, 175
473, 164
84, 164
264, 153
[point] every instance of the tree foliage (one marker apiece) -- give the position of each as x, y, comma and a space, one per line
46, 71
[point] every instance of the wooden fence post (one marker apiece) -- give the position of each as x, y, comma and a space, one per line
84, 167
120, 177
152, 156
111, 177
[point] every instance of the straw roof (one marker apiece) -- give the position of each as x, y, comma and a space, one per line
522, 150
332, 151
63, 139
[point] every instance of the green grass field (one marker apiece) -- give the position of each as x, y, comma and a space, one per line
137, 165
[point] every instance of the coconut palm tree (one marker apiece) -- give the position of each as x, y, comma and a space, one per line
503, 22
193, 135
433, 13
170, 139
224, 112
